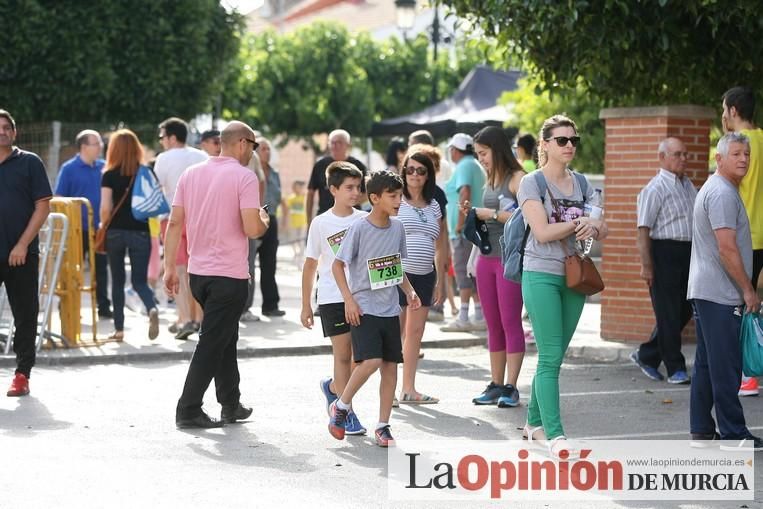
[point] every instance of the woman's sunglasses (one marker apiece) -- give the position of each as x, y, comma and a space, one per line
419, 170
563, 140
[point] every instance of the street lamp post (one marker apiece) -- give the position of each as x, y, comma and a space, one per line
406, 17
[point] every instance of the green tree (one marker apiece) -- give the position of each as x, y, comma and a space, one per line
322, 77
630, 51
531, 104
136, 61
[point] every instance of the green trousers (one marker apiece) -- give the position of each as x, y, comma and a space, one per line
554, 313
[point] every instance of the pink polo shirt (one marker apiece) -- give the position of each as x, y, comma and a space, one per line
212, 195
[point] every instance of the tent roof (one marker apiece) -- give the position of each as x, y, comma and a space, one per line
472, 107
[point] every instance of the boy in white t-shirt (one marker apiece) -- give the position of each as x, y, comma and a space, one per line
323, 240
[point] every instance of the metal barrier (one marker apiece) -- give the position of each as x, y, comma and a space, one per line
53, 237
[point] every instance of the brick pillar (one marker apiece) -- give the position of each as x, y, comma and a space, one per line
632, 138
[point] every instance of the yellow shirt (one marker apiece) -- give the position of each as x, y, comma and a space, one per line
297, 216
153, 227
751, 188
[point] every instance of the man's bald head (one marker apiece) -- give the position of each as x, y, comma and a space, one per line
234, 132
237, 141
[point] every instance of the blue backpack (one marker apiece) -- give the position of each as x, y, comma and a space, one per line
147, 197
515, 231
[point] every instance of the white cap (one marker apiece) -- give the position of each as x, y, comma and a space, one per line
462, 142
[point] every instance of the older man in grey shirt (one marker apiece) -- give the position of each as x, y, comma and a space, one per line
720, 291
664, 240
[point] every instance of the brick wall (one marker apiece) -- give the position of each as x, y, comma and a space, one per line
632, 138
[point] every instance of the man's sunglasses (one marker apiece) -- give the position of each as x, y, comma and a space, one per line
419, 170
254, 143
563, 140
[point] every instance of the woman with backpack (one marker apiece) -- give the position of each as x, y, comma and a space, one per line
501, 299
556, 221
125, 234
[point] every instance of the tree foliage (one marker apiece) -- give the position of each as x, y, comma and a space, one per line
630, 51
136, 61
530, 106
323, 77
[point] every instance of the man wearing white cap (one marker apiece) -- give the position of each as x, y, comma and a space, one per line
467, 183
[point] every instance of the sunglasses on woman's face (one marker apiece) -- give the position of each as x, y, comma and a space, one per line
419, 170
563, 140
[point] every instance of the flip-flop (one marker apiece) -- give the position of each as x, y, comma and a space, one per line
417, 399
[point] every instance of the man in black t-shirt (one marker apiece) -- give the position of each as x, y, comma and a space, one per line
24, 206
339, 150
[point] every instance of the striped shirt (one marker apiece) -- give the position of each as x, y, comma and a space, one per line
665, 206
422, 227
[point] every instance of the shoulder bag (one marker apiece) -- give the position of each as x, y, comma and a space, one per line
582, 274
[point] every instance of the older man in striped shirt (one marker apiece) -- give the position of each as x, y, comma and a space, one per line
665, 208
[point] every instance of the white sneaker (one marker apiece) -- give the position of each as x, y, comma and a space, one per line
248, 316
458, 326
478, 325
435, 316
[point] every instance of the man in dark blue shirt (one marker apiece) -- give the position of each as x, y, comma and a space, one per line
24, 206
80, 177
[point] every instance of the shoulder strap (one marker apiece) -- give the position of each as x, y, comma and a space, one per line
540, 181
121, 201
583, 183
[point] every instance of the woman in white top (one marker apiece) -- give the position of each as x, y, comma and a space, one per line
424, 226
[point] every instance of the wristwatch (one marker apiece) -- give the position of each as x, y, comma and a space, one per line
495, 215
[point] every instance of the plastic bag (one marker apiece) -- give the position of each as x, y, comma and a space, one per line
751, 337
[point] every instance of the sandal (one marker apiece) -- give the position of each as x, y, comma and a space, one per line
528, 433
417, 399
559, 444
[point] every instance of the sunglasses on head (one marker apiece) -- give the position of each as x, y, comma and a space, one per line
419, 170
563, 140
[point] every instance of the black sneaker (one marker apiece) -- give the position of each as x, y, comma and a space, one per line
704, 440
751, 443
509, 397
490, 395
273, 312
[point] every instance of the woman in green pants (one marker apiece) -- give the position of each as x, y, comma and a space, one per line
555, 218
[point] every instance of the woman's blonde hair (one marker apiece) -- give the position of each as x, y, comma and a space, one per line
125, 153
549, 125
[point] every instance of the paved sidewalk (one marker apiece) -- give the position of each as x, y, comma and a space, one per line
285, 336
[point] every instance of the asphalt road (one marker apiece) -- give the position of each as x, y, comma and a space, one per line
104, 436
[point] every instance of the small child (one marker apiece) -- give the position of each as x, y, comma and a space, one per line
323, 240
297, 219
373, 250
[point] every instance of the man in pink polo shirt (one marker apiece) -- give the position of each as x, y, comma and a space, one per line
218, 202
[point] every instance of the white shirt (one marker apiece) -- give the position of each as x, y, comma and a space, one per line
326, 230
171, 164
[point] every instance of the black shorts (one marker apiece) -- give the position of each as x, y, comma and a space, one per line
333, 320
377, 337
424, 286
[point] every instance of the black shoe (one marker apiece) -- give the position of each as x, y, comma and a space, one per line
704, 440
106, 313
200, 421
274, 312
231, 414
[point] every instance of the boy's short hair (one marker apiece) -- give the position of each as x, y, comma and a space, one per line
743, 99
338, 171
383, 180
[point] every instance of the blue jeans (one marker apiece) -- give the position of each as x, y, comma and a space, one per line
138, 246
717, 371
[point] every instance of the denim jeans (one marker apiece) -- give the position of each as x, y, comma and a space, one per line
137, 245
717, 371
